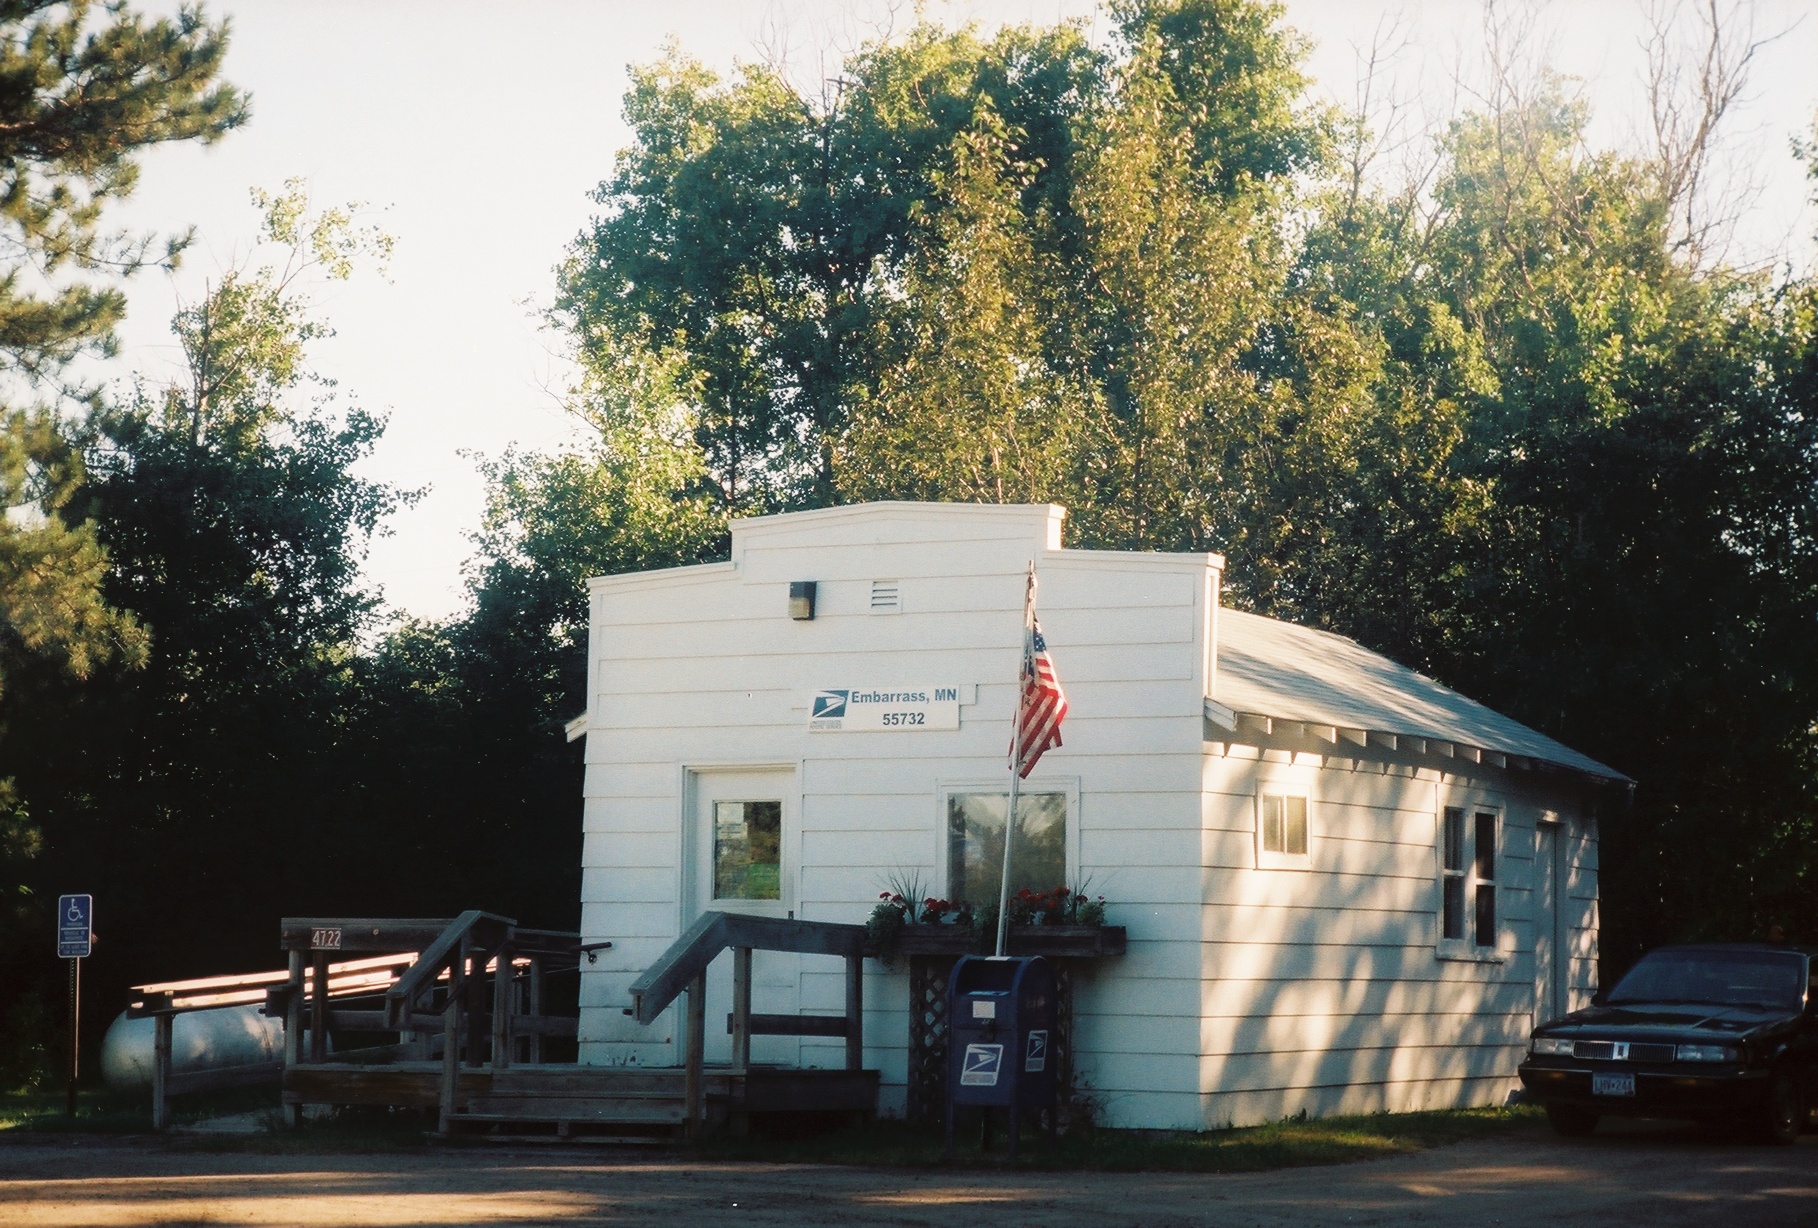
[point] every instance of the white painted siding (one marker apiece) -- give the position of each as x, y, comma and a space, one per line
1246, 994
1322, 987
701, 667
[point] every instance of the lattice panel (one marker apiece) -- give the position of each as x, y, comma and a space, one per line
928, 976
1063, 1027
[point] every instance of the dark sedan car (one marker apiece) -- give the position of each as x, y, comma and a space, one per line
1710, 1032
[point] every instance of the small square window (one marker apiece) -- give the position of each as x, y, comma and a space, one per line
1281, 830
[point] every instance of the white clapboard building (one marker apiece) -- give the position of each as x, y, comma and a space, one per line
1345, 887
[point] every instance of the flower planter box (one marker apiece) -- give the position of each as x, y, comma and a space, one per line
1053, 941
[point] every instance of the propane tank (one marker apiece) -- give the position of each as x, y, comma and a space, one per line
200, 1040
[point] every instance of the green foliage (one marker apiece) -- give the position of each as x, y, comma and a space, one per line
965, 407
640, 497
51, 565
1130, 351
81, 95
1613, 510
1234, 71
83, 89
751, 234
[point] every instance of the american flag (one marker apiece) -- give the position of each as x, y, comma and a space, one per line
1042, 705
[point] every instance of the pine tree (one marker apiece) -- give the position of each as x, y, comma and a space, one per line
84, 89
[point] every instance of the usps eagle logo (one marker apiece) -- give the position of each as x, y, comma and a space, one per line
829, 704
980, 1066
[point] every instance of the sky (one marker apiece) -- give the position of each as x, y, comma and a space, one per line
474, 134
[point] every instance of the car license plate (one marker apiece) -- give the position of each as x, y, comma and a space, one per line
1612, 1085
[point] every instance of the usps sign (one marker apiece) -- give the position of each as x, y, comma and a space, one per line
905, 708
981, 1065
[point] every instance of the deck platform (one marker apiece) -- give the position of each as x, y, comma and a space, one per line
565, 1100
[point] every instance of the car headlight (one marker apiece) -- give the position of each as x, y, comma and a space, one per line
1705, 1053
1548, 1046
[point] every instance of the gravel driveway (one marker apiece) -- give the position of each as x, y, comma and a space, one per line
1628, 1174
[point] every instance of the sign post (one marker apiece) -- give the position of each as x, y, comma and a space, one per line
75, 939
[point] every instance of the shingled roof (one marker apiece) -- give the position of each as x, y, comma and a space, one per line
1272, 673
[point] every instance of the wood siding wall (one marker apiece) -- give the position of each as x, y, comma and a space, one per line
1246, 994
1322, 988
702, 668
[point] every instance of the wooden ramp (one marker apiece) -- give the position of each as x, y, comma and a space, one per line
564, 1101
473, 991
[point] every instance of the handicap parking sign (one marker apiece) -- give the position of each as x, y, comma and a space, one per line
1036, 1057
75, 925
981, 1065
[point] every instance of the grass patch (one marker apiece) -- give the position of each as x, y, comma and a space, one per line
99, 1111
352, 1130
1291, 1143
359, 1130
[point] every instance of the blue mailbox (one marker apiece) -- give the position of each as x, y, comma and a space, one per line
1000, 1037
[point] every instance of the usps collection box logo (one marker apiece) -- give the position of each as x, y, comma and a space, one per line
981, 1065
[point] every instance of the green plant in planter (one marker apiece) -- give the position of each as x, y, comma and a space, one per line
901, 903
884, 927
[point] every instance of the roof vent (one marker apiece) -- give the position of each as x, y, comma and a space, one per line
886, 597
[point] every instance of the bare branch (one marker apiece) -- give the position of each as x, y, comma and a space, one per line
1693, 84
1380, 107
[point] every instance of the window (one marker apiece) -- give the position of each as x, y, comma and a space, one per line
1454, 875
1281, 829
747, 850
975, 844
1485, 929
1467, 874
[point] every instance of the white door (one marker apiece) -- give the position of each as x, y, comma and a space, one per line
1549, 938
744, 831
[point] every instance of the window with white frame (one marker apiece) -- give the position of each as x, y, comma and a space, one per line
1283, 828
1468, 868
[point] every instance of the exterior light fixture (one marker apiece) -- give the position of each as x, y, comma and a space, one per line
801, 600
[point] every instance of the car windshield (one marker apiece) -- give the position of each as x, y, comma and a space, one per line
1717, 978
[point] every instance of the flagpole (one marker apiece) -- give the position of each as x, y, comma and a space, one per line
1016, 758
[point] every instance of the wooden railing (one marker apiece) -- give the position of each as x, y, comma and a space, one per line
683, 969
443, 990
163, 1002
